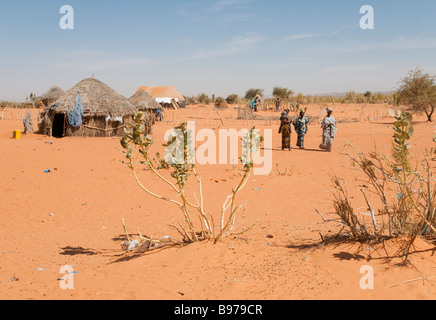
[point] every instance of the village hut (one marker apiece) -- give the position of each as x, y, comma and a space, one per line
50, 96
143, 101
89, 109
167, 96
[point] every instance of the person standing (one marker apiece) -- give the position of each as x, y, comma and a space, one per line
278, 105
252, 105
285, 130
301, 128
329, 131
159, 115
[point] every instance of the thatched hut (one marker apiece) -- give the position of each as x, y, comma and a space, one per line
165, 95
143, 101
105, 112
50, 96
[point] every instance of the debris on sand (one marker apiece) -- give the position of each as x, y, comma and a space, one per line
143, 245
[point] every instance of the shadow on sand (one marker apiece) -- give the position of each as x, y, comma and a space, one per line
380, 247
75, 251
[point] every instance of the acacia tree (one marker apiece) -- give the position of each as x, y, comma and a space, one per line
351, 97
282, 93
418, 90
368, 96
233, 98
252, 93
203, 98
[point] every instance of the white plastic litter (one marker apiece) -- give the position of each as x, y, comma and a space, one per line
130, 245
145, 246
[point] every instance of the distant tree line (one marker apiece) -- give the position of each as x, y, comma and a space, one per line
417, 91
288, 95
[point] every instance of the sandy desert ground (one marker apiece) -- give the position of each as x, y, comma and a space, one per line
72, 216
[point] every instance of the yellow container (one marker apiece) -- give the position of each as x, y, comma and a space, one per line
17, 134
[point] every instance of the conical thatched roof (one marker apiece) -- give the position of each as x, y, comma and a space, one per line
143, 101
52, 94
163, 92
97, 99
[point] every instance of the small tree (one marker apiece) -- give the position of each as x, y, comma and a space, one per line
380, 98
32, 99
203, 98
282, 93
418, 90
252, 93
350, 97
300, 98
232, 99
368, 96
220, 103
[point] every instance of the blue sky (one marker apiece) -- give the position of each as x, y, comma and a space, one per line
217, 47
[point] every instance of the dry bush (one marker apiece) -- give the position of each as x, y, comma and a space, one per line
406, 192
286, 172
11, 104
220, 104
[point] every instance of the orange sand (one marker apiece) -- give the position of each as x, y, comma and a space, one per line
72, 215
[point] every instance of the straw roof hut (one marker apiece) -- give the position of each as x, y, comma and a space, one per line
165, 92
105, 112
143, 101
50, 96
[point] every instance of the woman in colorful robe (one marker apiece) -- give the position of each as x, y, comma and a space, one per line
301, 128
329, 131
285, 130
252, 105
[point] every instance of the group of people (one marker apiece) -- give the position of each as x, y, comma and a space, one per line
301, 128
255, 103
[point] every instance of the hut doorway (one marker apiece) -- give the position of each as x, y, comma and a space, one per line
58, 129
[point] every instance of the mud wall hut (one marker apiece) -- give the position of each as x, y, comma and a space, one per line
104, 112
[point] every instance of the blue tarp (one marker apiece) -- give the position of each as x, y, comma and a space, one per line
75, 118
